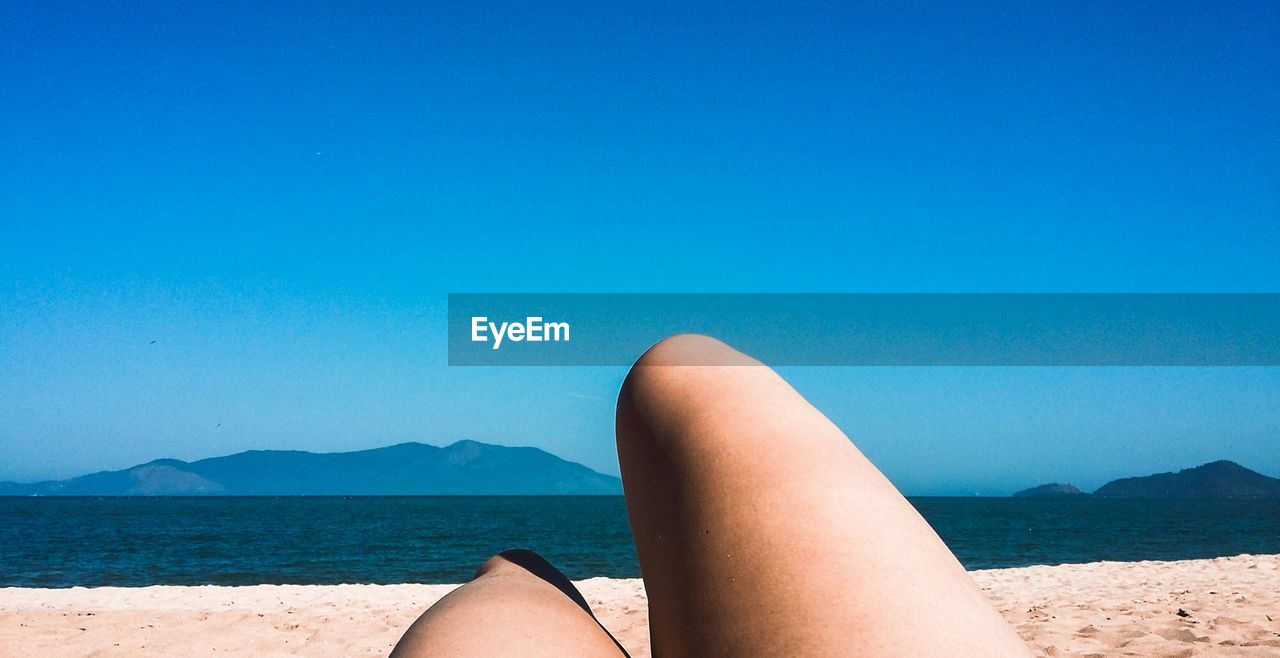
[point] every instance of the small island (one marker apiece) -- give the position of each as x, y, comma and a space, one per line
1050, 491
1220, 479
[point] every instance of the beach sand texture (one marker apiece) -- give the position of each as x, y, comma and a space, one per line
1220, 607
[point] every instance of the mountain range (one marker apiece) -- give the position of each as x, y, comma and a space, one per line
1220, 479
474, 468
461, 468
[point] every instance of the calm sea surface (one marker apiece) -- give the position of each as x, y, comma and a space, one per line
64, 542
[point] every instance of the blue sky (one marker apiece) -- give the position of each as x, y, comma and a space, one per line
281, 195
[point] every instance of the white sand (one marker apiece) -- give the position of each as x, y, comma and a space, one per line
1104, 608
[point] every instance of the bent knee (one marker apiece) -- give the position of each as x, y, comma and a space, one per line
521, 561
511, 561
524, 564
691, 350
662, 373
678, 379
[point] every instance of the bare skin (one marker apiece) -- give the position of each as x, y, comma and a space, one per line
517, 605
761, 531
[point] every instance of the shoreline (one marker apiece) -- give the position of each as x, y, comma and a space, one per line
1229, 606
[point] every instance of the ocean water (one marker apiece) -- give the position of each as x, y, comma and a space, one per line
65, 542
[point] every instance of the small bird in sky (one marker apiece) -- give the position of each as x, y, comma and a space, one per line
153, 342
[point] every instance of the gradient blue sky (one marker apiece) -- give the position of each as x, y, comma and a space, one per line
281, 194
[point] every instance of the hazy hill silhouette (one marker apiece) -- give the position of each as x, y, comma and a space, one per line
1049, 490
462, 468
1220, 479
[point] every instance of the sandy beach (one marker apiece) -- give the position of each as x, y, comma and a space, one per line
1221, 607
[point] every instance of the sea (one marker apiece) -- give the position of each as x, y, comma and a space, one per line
137, 541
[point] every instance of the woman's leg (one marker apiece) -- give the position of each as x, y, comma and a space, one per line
517, 605
763, 531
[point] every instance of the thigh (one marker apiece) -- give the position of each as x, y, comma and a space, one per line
762, 530
518, 605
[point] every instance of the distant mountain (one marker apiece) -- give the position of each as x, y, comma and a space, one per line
1220, 479
1050, 490
462, 468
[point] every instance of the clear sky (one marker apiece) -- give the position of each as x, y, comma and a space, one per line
280, 195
